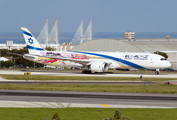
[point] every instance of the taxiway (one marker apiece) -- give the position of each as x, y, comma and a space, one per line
59, 99
66, 73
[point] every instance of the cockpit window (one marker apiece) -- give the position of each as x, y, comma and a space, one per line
163, 59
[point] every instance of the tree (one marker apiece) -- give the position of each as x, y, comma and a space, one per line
4, 52
7, 64
19, 60
162, 54
50, 48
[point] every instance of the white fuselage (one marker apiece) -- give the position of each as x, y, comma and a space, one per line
122, 60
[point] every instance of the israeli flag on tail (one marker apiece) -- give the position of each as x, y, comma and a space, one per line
31, 42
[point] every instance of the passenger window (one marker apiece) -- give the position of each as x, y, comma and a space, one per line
163, 59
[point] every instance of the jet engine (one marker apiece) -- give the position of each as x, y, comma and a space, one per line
99, 66
30, 57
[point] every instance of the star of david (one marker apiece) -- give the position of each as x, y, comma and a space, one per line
30, 41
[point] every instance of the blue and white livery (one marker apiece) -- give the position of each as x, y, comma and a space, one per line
93, 61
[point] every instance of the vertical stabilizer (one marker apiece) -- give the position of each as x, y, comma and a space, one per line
31, 42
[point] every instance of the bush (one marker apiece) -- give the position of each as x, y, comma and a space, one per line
50, 48
55, 117
7, 64
117, 116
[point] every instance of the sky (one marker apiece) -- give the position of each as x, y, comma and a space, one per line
106, 15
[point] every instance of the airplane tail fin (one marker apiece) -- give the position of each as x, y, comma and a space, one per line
32, 44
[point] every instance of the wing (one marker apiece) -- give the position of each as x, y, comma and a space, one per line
84, 61
80, 61
14, 54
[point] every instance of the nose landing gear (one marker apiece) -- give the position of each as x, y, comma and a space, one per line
157, 72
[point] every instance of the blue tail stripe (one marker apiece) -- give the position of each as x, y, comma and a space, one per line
34, 48
26, 33
115, 59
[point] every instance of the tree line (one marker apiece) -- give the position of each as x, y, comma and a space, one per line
16, 58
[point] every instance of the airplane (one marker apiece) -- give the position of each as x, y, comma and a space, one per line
97, 62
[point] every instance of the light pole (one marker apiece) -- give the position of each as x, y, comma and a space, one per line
14, 62
0, 60
34, 65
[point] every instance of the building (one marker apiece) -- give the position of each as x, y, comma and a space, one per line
62, 47
3, 59
133, 45
66, 46
129, 35
15, 46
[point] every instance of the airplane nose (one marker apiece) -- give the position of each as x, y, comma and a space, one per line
168, 64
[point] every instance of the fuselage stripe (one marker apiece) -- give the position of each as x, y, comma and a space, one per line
26, 33
115, 59
34, 48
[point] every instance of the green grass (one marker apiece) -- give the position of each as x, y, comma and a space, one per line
172, 89
43, 77
85, 113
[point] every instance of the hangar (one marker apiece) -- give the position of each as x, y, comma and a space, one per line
168, 45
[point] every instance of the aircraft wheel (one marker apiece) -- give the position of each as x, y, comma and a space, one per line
156, 73
89, 72
86, 72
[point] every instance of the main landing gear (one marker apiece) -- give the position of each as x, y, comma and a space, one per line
157, 72
86, 72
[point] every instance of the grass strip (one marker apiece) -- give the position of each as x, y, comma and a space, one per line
85, 113
172, 89
43, 77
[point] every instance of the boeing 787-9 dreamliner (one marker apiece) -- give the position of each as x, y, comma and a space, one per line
92, 61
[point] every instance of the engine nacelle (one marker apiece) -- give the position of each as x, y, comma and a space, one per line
30, 57
99, 66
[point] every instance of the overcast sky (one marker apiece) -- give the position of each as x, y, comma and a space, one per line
107, 15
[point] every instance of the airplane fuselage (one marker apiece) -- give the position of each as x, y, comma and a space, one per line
123, 60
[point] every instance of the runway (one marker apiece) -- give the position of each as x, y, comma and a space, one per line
59, 99
66, 73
